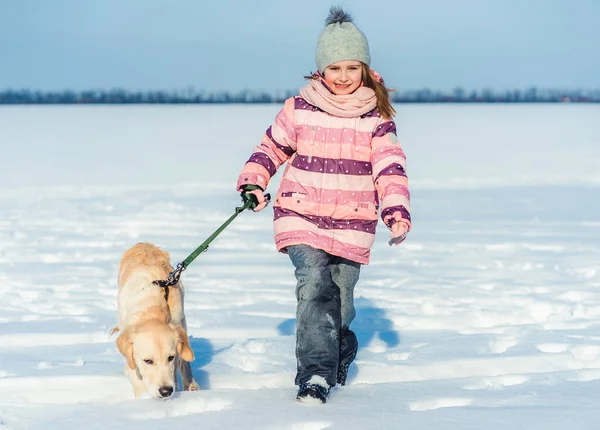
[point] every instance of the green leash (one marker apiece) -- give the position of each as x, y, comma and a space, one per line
250, 202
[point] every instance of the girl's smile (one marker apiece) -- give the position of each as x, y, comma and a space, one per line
343, 77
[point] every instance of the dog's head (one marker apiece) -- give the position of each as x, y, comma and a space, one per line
151, 350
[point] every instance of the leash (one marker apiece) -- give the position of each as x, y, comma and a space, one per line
250, 202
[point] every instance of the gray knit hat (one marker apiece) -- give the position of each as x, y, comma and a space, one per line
341, 40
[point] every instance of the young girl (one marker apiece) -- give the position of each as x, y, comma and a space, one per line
345, 165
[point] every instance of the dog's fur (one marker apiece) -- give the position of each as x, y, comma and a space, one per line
153, 336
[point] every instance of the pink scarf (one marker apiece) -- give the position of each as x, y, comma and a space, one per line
358, 103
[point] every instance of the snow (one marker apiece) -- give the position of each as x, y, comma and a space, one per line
487, 315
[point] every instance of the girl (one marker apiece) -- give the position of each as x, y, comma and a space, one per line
345, 164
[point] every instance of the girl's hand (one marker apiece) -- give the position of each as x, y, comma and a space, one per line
398, 226
259, 197
398, 234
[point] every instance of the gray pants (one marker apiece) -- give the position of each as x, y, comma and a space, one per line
325, 294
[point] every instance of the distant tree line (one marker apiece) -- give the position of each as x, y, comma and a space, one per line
190, 96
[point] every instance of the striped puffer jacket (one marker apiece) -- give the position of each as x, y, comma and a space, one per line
341, 171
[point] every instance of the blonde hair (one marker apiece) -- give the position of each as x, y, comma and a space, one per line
384, 105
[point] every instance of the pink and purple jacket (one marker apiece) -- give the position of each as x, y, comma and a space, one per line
341, 171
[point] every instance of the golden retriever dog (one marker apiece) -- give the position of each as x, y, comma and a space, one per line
153, 337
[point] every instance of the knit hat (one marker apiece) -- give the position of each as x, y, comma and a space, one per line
341, 40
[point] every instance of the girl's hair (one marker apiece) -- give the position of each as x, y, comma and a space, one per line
384, 105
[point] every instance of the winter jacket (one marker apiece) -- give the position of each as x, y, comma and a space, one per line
340, 173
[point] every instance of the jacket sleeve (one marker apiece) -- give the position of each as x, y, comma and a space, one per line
389, 173
278, 144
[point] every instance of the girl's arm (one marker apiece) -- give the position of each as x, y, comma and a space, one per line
277, 146
389, 174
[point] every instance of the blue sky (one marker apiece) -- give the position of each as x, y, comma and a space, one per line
233, 45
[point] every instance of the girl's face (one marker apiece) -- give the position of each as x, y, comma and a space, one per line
343, 77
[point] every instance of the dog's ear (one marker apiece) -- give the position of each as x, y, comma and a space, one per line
183, 346
125, 346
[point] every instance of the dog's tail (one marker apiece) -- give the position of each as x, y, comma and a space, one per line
114, 330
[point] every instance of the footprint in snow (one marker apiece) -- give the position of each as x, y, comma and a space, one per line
501, 344
552, 348
170, 408
497, 382
442, 402
580, 352
43, 365
586, 375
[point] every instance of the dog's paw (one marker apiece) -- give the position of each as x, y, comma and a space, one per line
193, 386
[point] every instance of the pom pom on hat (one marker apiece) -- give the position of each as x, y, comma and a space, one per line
341, 40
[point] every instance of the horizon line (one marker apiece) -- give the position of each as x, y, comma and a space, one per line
193, 96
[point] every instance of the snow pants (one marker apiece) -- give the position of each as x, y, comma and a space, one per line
325, 309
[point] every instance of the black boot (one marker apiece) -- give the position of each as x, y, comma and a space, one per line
348, 349
312, 393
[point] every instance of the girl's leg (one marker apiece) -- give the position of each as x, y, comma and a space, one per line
318, 318
345, 275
